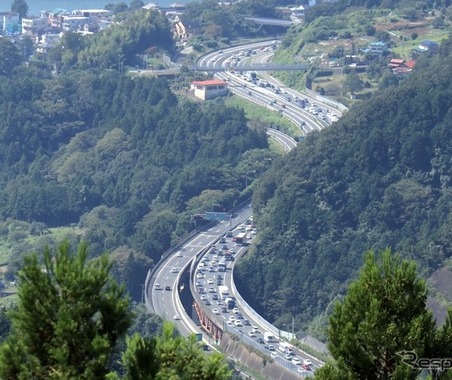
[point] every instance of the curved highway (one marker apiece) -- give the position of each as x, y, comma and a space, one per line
162, 288
308, 111
215, 290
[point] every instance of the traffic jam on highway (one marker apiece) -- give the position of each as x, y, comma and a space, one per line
213, 283
303, 109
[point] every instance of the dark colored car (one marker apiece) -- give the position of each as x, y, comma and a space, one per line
167, 287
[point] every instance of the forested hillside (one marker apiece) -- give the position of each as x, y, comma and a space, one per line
379, 177
123, 159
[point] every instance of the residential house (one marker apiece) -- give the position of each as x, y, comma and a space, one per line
56, 18
400, 66
377, 48
73, 23
426, 46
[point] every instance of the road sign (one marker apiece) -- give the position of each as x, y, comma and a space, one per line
217, 216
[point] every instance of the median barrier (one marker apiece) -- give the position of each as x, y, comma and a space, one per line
150, 275
263, 322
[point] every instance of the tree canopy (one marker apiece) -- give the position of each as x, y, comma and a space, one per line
383, 319
379, 177
20, 7
71, 317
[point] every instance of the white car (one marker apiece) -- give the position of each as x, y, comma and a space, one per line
232, 318
252, 334
238, 323
176, 317
174, 270
201, 264
296, 360
235, 310
199, 275
216, 311
307, 362
210, 281
179, 254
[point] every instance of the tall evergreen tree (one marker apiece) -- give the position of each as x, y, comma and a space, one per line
20, 7
69, 317
383, 315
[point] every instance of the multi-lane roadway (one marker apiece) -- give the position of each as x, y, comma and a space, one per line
309, 112
210, 285
162, 289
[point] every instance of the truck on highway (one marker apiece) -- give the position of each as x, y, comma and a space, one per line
251, 76
229, 302
223, 291
268, 337
222, 265
240, 239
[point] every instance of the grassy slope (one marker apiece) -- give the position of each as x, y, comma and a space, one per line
254, 111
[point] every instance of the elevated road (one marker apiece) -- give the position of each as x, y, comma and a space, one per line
272, 21
252, 67
162, 292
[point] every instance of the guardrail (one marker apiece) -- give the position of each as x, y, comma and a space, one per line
165, 255
262, 321
277, 359
151, 273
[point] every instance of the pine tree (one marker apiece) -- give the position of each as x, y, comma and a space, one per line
69, 317
171, 357
383, 314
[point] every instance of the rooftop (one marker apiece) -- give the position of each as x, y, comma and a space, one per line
209, 82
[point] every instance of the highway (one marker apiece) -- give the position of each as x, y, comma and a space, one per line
309, 112
161, 288
241, 321
166, 303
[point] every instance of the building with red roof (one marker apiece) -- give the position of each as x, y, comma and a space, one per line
209, 89
400, 66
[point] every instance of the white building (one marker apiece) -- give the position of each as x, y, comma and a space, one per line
209, 89
74, 23
34, 25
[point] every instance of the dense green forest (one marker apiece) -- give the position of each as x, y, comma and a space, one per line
74, 321
123, 160
125, 163
379, 177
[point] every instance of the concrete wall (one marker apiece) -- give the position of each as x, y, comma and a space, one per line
258, 363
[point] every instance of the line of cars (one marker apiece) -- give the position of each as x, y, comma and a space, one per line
215, 295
